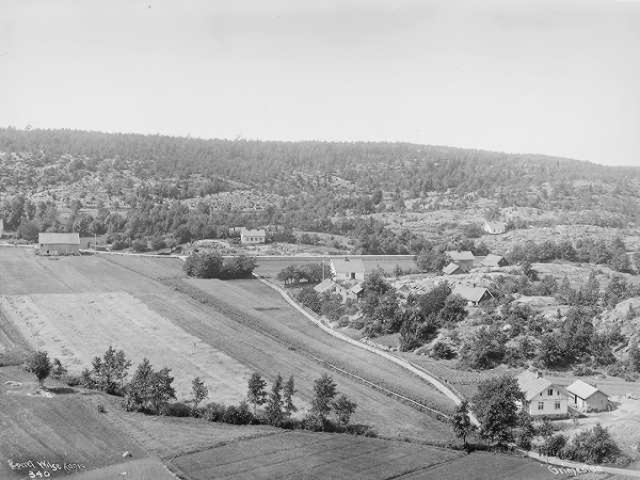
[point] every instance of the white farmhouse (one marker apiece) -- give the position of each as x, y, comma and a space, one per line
541, 396
252, 237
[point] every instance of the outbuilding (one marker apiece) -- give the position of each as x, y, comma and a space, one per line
473, 295
587, 398
494, 261
452, 269
59, 244
464, 259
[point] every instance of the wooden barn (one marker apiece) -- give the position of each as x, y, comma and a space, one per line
587, 398
59, 244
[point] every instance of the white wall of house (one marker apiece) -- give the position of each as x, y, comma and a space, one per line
349, 275
550, 402
252, 240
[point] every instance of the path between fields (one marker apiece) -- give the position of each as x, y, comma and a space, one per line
420, 372
579, 468
425, 375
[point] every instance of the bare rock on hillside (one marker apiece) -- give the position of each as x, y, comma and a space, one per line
626, 314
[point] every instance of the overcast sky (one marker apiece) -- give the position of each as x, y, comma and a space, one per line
559, 77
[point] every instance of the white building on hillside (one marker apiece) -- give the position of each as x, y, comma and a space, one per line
541, 396
252, 237
494, 228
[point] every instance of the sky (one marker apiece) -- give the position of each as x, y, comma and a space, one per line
555, 77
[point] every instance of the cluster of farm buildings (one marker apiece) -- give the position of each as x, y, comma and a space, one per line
543, 397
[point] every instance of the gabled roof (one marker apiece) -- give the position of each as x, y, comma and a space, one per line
583, 389
348, 265
470, 294
492, 260
457, 256
253, 233
325, 286
531, 385
50, 237
356, 289
451, 268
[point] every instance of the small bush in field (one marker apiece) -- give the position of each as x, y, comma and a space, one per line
178, 409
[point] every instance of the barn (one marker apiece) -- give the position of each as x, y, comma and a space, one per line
587, 398
348, 268
59, 244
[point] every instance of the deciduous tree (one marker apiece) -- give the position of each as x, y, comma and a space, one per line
256, 394
40, 365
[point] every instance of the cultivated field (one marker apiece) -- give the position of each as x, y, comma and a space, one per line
75, 327
301, 455
70, 306
139, 304
59, 429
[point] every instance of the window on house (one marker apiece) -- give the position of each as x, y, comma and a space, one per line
550, 392
540, 405
557, 406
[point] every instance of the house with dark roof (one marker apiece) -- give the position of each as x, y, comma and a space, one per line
587, 398
473, 295
59, 243
464, 259
541, 396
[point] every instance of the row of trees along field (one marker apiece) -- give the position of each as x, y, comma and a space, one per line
495, 405
151, 391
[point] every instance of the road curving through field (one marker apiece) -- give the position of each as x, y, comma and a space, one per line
420, 372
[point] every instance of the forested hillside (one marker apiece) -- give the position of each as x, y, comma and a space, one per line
143, 186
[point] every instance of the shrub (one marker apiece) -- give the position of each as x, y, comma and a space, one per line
177, 409
101, 408
442, 350
157, 243
213, 412
594, 446
139, 246
240, 415
583, 370
616, 370
71, 380
553, 446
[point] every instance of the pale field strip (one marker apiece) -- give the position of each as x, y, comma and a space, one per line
77, 327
